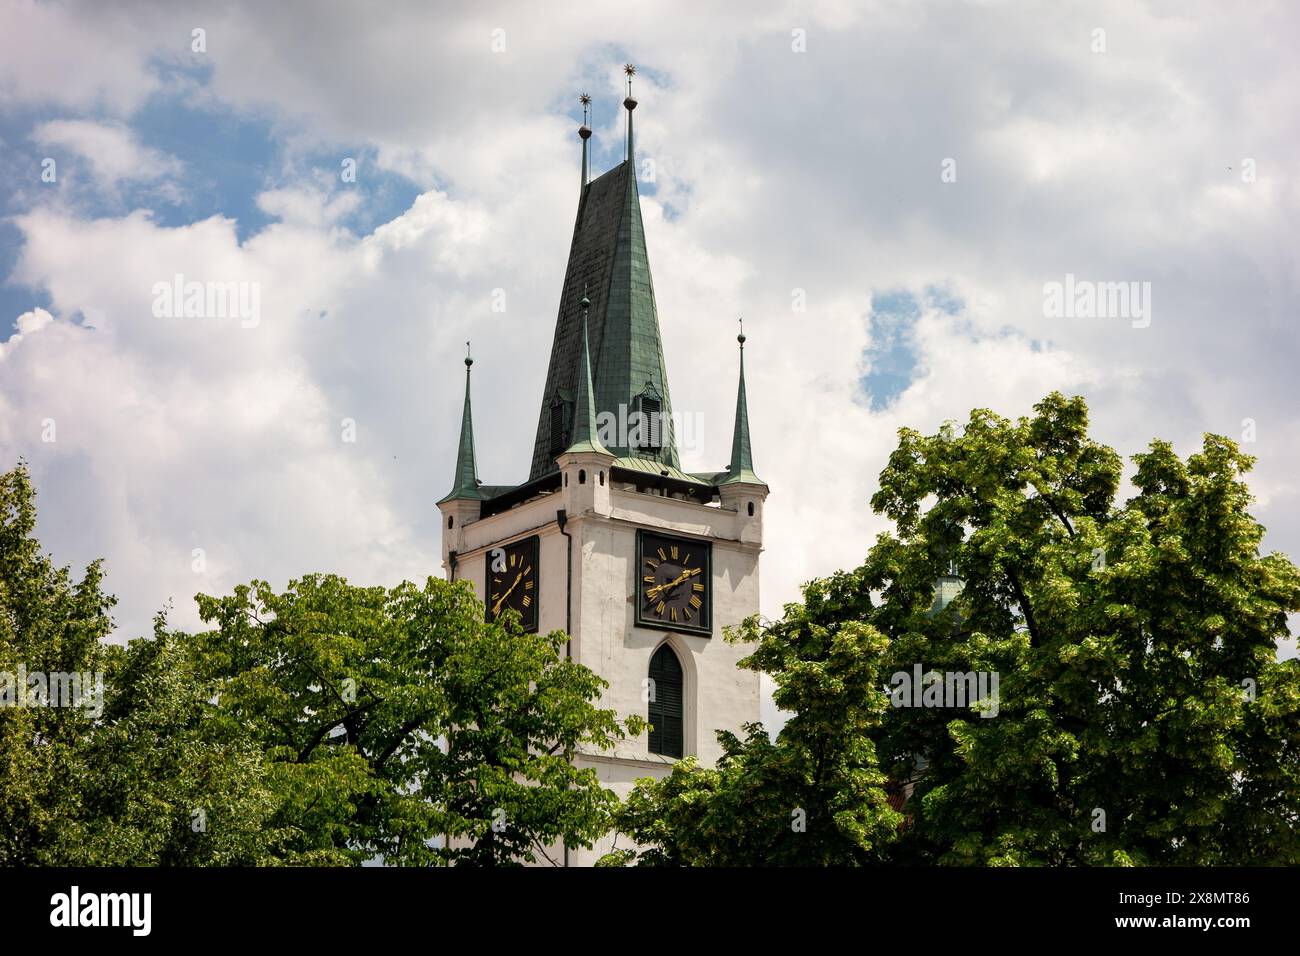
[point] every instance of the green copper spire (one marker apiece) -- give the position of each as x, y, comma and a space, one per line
467, 483
585, 435
608, 262
741, 468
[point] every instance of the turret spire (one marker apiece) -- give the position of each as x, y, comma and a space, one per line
630, 103
741, 468
585, 434
584, 131
466, 484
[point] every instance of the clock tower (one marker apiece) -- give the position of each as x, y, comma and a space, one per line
608, 539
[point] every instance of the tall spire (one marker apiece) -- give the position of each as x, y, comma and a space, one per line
630, 103
741, 468
466, 482
584, 131
585, 435
608, 262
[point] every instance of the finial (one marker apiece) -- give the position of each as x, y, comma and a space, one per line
585, 129
741, 337
584, 301
630, 70
468, 359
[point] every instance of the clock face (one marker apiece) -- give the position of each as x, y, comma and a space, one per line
674, 583
511, 577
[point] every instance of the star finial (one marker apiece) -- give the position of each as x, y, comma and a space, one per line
629, 69
585, 99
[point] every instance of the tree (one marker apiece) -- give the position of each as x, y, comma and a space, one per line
134, 773
395, 716
1141, 715
815, 795
48, 625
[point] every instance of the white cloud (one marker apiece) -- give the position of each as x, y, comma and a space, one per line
111, 152
776, 170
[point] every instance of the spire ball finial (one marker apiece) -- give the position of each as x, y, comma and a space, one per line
741, 337
630, 70
468, 360
585, 129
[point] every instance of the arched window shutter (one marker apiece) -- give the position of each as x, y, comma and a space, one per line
666, 708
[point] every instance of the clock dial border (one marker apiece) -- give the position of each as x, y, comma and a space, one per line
530, 618
680, 627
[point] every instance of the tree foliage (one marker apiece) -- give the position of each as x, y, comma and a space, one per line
324, 725
395, 716
1143, 716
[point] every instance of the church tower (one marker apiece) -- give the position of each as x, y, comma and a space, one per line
608, 539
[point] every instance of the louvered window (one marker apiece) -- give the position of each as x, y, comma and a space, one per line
560, 418
651, 407
666, 705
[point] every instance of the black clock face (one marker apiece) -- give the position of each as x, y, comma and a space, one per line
511, 577
674, 583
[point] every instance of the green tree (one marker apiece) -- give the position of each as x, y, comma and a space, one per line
48, 624
814, 795
1142, 714
137, 776
395, 716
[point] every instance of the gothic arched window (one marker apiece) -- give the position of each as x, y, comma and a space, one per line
666, 703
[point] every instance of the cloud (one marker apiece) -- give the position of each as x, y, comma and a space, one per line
779, 176
111, 151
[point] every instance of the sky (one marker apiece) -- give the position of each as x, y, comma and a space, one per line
882, 191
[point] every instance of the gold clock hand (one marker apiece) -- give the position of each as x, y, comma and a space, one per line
496, 608
674, 582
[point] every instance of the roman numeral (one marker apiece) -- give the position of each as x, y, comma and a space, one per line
660, 608
673, 613
697, 587
662, 556
695, 602
528, 585
528, 602
674, 551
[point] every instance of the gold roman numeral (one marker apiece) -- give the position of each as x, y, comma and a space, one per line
697, 587
695, 602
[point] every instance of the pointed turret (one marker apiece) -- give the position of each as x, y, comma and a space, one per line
585, 435
741, 469
466, 483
